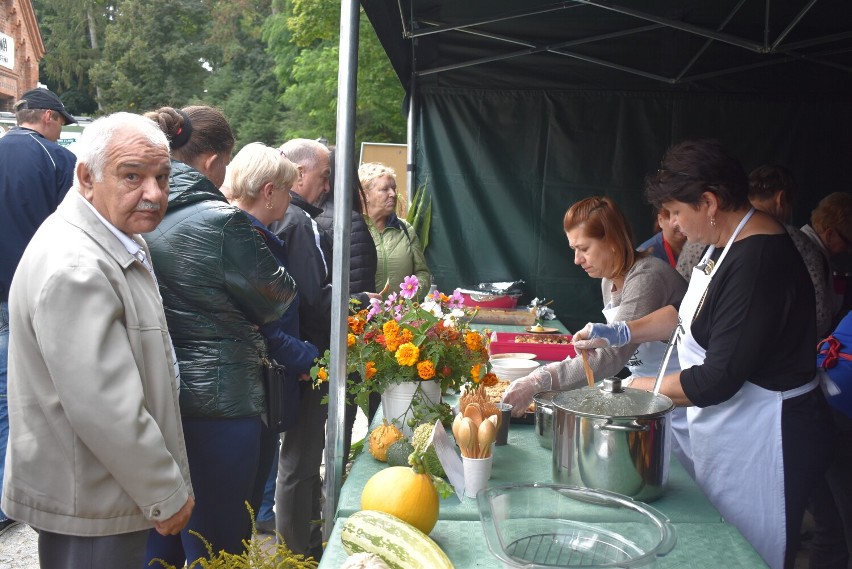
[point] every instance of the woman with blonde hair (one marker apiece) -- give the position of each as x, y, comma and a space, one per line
400, 253
259, 181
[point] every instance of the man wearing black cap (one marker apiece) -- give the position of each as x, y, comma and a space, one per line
35, 174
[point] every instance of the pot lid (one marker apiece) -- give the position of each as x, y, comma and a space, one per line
611, 399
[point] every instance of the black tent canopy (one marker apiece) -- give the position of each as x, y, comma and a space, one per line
522, 108
701, 45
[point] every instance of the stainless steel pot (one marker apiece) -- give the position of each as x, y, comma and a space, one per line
544, 417
612, 438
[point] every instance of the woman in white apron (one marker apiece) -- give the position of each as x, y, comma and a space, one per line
758, 428
632, 285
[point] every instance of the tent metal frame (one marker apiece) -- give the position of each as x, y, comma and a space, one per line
775, 49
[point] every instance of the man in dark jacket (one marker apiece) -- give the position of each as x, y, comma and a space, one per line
299, 487
363, 261
35, 174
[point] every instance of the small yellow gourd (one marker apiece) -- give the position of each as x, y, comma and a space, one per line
381, 438
404, 493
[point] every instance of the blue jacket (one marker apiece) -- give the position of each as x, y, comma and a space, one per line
282, 335
35, 175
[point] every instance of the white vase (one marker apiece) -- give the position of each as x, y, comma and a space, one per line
397, 400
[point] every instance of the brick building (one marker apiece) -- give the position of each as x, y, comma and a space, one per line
21, 49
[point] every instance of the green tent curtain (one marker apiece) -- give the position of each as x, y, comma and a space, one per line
504, 165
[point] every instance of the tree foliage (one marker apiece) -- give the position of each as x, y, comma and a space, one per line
311, 81
69, 30
270, 65
153, 55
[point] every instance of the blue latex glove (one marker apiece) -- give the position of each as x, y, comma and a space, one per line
596, 336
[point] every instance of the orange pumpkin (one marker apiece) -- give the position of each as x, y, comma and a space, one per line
402, 492
381, 438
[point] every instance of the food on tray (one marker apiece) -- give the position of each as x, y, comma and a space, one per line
495, 394
532, 339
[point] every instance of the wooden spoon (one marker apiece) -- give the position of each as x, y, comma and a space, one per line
467, 438
474, 413
456, 424
486, 436
590, 377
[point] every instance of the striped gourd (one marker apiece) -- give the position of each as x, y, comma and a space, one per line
399, 544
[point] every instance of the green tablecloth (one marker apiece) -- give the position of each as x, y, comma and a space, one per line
524, 460
699, 546
705, 541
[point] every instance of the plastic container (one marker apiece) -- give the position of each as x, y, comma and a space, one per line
474, 298
540, 344
541, 526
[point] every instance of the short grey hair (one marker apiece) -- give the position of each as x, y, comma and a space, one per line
255, 165
369, 172
304, 151
92, 146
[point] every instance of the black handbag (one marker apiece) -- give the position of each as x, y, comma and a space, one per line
282, 392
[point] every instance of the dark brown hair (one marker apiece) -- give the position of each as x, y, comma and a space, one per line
692, 167
766, 181
210, 131
601, 219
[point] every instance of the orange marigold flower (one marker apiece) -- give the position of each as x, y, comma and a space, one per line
473, 341
392, 343
405, 336
371, 370
390, 328
322, 374
356, 325
350, 340
407, 354
426, 369
474, 372
489, 379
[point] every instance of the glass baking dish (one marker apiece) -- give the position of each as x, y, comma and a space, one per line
538, 526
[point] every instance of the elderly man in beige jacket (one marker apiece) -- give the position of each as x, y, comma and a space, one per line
96, 453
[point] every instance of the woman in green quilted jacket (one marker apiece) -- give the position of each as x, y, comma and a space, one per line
220, 283
397, 245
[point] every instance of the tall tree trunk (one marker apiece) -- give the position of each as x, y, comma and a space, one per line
93, 40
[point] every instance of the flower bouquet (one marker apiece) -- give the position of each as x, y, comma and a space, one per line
400, 340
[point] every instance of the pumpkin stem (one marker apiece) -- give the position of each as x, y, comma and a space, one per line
415, 460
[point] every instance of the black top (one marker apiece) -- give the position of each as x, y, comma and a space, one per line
757, 322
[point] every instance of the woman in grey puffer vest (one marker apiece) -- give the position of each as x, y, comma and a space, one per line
363, 261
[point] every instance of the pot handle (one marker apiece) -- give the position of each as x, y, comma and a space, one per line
633, 427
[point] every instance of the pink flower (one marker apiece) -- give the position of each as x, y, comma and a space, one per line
409, 287
456, 300
375, 308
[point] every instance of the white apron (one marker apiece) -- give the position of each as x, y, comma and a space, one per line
741, 473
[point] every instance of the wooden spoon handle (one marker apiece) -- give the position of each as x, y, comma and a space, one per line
590, 377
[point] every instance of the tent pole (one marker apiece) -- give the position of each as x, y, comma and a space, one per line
343, 174
410, 174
